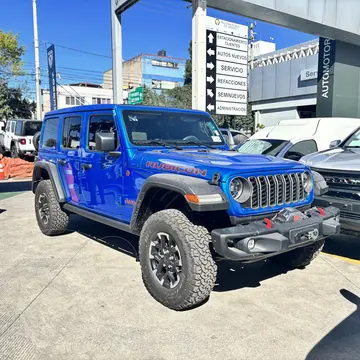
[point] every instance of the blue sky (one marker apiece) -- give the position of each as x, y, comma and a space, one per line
85, 25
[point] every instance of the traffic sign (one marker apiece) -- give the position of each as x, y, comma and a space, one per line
226, 67
136, 96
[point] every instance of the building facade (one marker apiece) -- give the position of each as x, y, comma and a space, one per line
159, 72
78, 94
283, 84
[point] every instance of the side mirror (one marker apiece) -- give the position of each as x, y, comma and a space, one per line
334, 144
105, 142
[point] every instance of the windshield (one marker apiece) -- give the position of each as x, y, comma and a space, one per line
265, 147
32, 127
353, 141
152, 127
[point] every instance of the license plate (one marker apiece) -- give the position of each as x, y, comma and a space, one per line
305, 233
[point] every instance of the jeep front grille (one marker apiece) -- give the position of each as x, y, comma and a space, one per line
273, 190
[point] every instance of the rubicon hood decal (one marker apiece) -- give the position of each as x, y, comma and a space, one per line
176, 168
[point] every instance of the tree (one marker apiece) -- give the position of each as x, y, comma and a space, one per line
10, 55
12, 101
188, 67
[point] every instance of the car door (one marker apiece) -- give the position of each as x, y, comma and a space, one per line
69, 157
10, 129
102, 181
300, 149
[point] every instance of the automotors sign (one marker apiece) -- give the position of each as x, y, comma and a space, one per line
226, 67
52, 77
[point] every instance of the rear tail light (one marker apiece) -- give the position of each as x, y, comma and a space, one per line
22, 141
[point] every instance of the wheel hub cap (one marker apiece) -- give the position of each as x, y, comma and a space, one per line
44, 209
165, 260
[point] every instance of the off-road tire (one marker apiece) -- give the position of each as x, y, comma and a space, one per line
36, 140
14, 152
58, 219
198, 271
301, 257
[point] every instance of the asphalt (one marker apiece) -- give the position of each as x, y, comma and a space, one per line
80, 296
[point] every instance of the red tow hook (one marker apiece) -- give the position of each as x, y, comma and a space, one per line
321, 211
268, 223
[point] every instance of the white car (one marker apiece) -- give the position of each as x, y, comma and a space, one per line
18, 137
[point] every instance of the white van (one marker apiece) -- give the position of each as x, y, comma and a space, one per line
293, 139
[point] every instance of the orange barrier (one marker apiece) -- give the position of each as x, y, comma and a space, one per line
15, 168
2, 174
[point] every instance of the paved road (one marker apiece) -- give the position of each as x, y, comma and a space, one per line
80, 296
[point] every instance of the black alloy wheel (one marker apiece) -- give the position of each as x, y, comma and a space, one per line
165, 260
44, 209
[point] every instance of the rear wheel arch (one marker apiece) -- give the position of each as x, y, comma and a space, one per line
44, 170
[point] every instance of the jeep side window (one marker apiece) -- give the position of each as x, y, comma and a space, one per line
18, 128
50, 132
71, 132
100, 124
13, 126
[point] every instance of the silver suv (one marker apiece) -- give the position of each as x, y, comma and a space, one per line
340, 167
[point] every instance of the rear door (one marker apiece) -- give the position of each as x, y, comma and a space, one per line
69, 158
102, 174
10, 129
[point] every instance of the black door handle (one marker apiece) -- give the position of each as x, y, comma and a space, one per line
86, 166
62, 162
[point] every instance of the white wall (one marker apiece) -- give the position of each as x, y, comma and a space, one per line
270, 118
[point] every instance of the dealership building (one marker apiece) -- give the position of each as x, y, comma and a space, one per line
283, 84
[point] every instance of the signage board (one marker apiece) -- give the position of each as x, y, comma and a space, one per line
226, 67
308, 74
325, 85
120, 6
136, 96
52, 76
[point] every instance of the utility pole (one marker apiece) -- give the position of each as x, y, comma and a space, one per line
252, 39
37, 63
117, 71
199, 54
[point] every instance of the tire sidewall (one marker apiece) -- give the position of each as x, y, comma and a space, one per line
169, 296
42, 188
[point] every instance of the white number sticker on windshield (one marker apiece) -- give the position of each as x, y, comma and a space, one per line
133, 118
216, 138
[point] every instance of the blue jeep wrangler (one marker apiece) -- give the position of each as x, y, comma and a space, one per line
168, 176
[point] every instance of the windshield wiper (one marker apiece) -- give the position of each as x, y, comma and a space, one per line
157, 142
198, 143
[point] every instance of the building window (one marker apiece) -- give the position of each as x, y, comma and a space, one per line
75, 100
168, 64
71, 132
101, 101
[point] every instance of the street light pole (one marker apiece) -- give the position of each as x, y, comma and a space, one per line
37, 63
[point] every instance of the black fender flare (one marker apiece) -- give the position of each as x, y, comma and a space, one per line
54, 176
183, 185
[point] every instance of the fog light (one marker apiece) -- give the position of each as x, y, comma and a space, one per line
251, 244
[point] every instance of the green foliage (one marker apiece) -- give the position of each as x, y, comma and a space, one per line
12, 103
10, 55
188, 67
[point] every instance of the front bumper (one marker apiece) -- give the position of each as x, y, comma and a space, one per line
349, 212
274, 238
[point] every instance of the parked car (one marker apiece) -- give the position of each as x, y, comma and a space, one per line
233, 137
293, 139
340, 167
18, 137
166, 175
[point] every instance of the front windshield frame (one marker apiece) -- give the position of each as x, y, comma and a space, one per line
282, 144
347, 142
179, 142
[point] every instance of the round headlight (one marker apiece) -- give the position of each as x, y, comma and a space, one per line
236, 188
240, 189
307, 182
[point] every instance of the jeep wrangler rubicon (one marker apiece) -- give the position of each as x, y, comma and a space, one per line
168, 176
